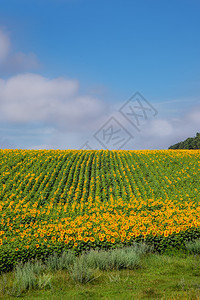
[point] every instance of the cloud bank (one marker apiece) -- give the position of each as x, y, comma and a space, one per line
163, 132
56, 104
14, 62
29, 97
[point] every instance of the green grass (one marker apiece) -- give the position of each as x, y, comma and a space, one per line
193, 246
158, 277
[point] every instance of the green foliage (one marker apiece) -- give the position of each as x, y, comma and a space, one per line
189, 143
124, 259
160, 276
80, 272
64, 261
116, 259
97, 259
142, 248
193, 246
44, 281
28, 276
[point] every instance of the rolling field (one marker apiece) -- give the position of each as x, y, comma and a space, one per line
51, 200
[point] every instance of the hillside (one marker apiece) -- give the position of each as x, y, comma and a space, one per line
189, 143
52, 200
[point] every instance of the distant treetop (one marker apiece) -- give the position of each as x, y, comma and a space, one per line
189, 143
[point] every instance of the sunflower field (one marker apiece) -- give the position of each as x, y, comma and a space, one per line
53, 200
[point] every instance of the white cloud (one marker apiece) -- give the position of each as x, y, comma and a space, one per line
160, 133
56, 103
14, 62
71, 118
161, 128
194, 116
27, 98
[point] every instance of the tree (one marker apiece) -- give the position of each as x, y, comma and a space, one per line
189, 143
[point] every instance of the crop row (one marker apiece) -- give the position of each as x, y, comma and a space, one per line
54, 200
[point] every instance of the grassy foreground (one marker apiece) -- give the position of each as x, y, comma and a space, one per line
161, 277
153, 276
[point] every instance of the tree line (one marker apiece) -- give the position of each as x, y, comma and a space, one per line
189, 143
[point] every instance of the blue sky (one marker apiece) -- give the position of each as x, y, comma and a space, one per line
68, 66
